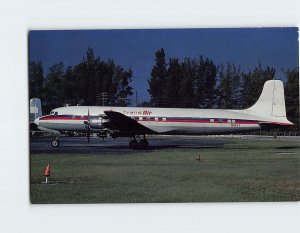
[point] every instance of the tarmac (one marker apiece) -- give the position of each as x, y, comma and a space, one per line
97, 146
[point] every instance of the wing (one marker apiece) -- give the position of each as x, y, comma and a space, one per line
126, 124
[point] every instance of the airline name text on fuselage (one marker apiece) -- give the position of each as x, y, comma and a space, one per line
136, 113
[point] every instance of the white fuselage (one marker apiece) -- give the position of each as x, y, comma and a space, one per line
160, 120
269, 111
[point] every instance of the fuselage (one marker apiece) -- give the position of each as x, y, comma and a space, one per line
161, 120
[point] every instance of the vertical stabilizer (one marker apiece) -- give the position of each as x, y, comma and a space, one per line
35, 109
271, 101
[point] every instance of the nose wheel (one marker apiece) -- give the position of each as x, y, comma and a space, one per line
55, 142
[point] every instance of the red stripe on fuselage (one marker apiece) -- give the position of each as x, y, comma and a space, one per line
276, 123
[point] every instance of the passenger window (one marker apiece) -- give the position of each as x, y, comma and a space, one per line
164, 119
212, 120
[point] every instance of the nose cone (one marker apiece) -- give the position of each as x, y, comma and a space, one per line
37, 121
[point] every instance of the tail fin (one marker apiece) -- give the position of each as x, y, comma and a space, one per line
271, 101
35, 109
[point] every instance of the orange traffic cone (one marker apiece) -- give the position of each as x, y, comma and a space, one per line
47, 172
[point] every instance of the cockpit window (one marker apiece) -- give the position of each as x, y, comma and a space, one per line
55, 113
52, 113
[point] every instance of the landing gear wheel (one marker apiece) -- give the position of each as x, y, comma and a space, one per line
55, 143
143, 144
133, 144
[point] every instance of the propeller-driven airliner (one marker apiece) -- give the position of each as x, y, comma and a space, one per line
138, 122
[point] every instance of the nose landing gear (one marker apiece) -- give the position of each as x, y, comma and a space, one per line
55, 142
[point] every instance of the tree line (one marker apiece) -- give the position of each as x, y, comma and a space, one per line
91, 82
191, 83
200, 83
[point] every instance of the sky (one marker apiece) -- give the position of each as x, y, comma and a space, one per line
135, 49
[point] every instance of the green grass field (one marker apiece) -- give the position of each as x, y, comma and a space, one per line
243, 170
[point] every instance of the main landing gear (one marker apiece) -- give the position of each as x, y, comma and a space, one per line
141, 144
55, 142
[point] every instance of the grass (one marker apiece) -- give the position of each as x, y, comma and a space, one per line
243, 170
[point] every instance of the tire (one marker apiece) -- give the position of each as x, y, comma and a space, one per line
55, 143
143, 144
133, 144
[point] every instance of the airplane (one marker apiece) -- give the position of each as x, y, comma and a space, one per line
137, 122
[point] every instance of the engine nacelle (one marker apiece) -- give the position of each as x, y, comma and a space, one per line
99, 122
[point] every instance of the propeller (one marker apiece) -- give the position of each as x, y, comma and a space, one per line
89, 128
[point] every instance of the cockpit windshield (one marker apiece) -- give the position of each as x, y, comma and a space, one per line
53, 113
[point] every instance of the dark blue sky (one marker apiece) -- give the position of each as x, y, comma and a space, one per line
275, 47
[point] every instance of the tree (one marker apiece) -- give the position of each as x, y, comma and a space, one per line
36, 80
102, 83
82, 84
207, 78
106, 82
236, 87
122, 79
186, 90
191, 83
172, 87
292, 95
89, 67
229, 87
157, 80
253, 83
68, 86
53, 88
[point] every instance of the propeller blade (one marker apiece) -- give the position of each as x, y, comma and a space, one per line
88, 127
88, 134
